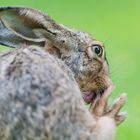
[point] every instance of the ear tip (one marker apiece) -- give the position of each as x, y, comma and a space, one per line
2, 8
6, 8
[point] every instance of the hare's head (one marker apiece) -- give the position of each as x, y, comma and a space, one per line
84, 55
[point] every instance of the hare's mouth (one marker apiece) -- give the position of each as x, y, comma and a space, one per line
94, 90
89, 97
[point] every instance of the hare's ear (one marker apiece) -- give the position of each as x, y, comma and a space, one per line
20, 25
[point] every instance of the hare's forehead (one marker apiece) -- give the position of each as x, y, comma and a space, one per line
87, 39
84, 37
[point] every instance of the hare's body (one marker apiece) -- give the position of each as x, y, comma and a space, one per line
39, 100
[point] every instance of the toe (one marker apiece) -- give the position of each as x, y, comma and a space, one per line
117, 105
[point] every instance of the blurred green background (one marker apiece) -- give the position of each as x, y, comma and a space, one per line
117, 24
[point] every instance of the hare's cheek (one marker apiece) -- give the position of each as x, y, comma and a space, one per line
91, 70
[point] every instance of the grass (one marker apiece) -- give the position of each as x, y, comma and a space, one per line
116, 23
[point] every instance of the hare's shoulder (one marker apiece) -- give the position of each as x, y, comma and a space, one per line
30, 64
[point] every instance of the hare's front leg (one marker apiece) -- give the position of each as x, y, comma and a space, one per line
108, 117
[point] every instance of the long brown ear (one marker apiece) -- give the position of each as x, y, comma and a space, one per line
20, 25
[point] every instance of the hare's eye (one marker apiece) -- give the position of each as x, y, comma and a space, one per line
97, 49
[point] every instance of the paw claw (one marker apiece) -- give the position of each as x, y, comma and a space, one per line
120, 117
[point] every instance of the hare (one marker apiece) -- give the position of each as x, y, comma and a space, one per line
84, 62
40, 100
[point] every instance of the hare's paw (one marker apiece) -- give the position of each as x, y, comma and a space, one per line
100, 107
113, 112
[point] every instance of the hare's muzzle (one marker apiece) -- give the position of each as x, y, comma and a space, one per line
95, 89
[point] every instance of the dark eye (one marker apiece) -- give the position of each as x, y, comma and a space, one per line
97, 49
